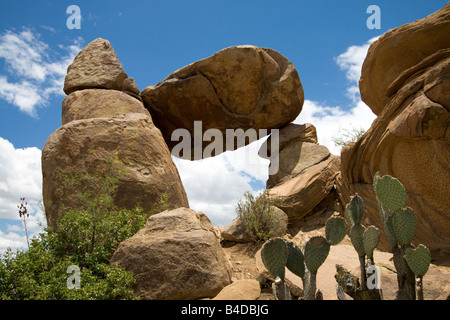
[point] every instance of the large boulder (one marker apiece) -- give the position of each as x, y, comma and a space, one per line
96, 66
129, 147
99, 103
398, 50
176, 256
243, 87
410, 138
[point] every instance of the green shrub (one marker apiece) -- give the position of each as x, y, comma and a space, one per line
256, 214
87, 238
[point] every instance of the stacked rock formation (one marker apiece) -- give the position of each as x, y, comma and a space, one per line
307, 170
405, 80
107, 129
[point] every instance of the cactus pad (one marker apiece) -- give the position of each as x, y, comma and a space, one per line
274, 254
390, 192
355, 210
404, 223
335, 230
357, 238
296, 261
418, 259
316, 251
370, 240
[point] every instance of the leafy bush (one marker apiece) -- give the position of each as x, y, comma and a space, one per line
256, 214
86, 237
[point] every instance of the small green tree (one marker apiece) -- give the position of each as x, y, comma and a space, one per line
256, 214
86, 237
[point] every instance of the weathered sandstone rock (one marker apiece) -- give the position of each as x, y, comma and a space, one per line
99, 103
398, 50
130, 147
410, 139
176, 255
247, 289
306, 171
96, 66
301, 194
288, 134
237, 88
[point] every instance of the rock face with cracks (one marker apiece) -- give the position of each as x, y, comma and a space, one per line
243, 87
406, 82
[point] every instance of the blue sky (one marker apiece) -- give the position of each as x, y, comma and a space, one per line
326, 41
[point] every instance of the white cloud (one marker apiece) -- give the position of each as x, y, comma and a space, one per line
20, 176
351, 61
215, 185
329, 120
29, 59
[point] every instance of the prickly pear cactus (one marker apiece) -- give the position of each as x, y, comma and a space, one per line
316, 251
418, 259
335, 230
274, 254
357, 238
296, 261
371, 237
355, 210
404, 223
388, 224
390, 192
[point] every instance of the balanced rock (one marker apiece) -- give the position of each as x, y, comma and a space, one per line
176, 256
96, 66
410, 138
242, 87
99, 103
129, 147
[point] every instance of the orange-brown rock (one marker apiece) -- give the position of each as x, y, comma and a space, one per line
96, 66
176, 256
239, 87
129, 146
406, 81
306, 170
301, 194
398, 50
99, 103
